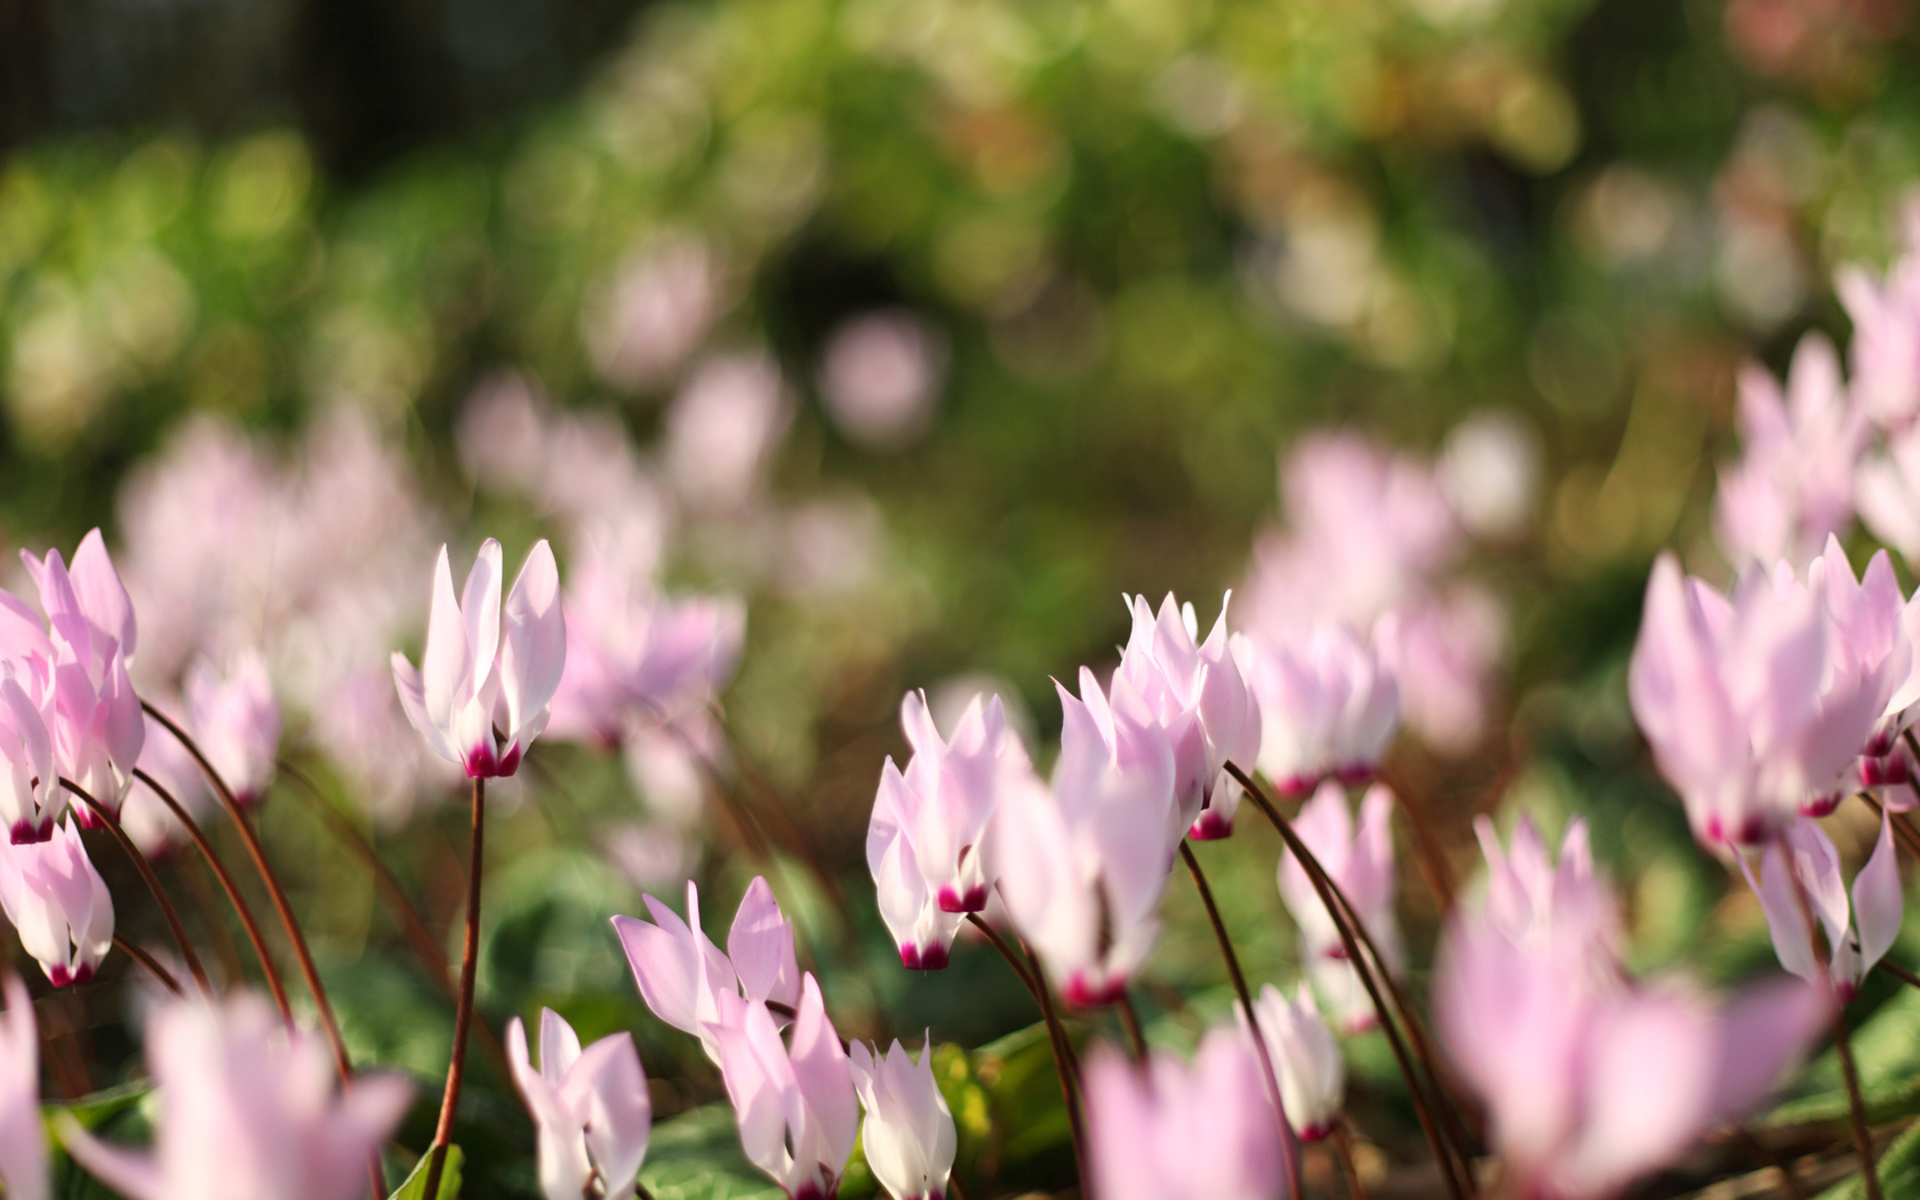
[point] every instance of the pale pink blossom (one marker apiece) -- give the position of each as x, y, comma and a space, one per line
681, 973
1441, 651
1534, 899
1792, 488
634, 653
1751, 709
1490, 472
1887, 490
1199, 697
1328, 706
908, 1133
723, 428
1801, 866
794, 1101
590, 1107
926, 842
1885, 351
31, 798
249, 1108
236, 722
58, 904
880, 375
1083, 863
1306, 1059
1177, 1131
485, 667
23, 1133
1360, 862
145, 817
657, 309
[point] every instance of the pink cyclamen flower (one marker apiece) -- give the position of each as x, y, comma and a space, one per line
1887, 492
1793, 486
880, 375
1200, 699
1591, 1081
486, 667
794, 1103
682, 975
1857, 935
1360, 862
145, 817
633, 653
58, 904
926, 843
1328, 706
1751, 706
1179, 1131
248, 1108
908, 1134
1885, 351
1083, 863
1305, 1056
590, 1106
1534, 899
236, 722
23, 1133
31, 798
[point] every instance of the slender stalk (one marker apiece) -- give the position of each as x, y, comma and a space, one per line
1343, 1150
275, 892
1904, 833
1773, 1158
152, 964
198, 837
1842, 1047
328, 1023
1130, 1020
463, 1012
419, 938
1899, 972
1064, 1063
1006, 952
1426, 846
1246, 1006
145, 868
1443, 1152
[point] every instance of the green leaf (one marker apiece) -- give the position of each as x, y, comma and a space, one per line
697, 1156
415, 1188
1887, 1049
99, 1107
1899, 1172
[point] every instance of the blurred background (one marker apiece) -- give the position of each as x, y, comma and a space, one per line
925, 329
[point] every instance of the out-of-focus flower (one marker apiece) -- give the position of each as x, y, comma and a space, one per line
1490, 472
147, 820
1886, 332
1197, 694
58, 904
485, 667
1591, 1080
633, 653
1328, 706
1440, 652
681, 973
723, 428
248, 1108
1360, 863
796, 1107
1871, 633
1083, 863
1174, 1131
590, 1106
236, 722
658, 308
31, 798
908, 1134
880, 375
1312, 1075
926, 843
650, 855
1749, 715
23, 1134
1532, 899
1793, 485
1857, 935
1887, 491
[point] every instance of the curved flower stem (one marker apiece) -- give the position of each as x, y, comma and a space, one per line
1426, 846
1006, 952
418, 936
1842, 1047
1130, 1020
145, 869
1789, 1181
1241, 989
152, 965
199, 838
1343, 1150
1903, 832
274, 891
1899, 972
1444, 1153
463, 1011
1063, 1062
